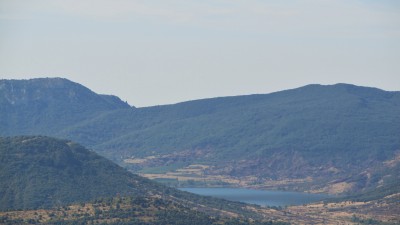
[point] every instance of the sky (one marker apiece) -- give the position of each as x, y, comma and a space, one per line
156, 52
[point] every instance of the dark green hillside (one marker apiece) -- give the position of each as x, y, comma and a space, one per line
314, 120
42, 172
47, 105
284, 134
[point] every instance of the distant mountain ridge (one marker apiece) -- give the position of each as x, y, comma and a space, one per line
46, 105
318, 136
18, 92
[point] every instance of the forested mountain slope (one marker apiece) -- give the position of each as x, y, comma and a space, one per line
42, 172
318, 134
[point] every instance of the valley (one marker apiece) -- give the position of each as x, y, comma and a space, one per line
337, 139
198, 175
55, 181
169, 170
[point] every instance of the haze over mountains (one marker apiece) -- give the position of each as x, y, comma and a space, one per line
333, 138
48, 105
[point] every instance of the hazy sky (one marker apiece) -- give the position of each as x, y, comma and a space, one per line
152, 52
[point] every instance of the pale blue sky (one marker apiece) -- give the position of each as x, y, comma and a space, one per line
151, 52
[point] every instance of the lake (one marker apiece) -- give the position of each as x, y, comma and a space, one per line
259, 197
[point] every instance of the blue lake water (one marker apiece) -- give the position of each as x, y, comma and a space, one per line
259, 197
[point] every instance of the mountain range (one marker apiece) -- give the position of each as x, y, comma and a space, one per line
322, 138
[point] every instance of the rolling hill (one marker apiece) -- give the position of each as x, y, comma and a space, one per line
325, 138
39, 172
42, 172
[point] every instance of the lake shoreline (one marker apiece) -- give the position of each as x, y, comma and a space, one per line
270, 198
